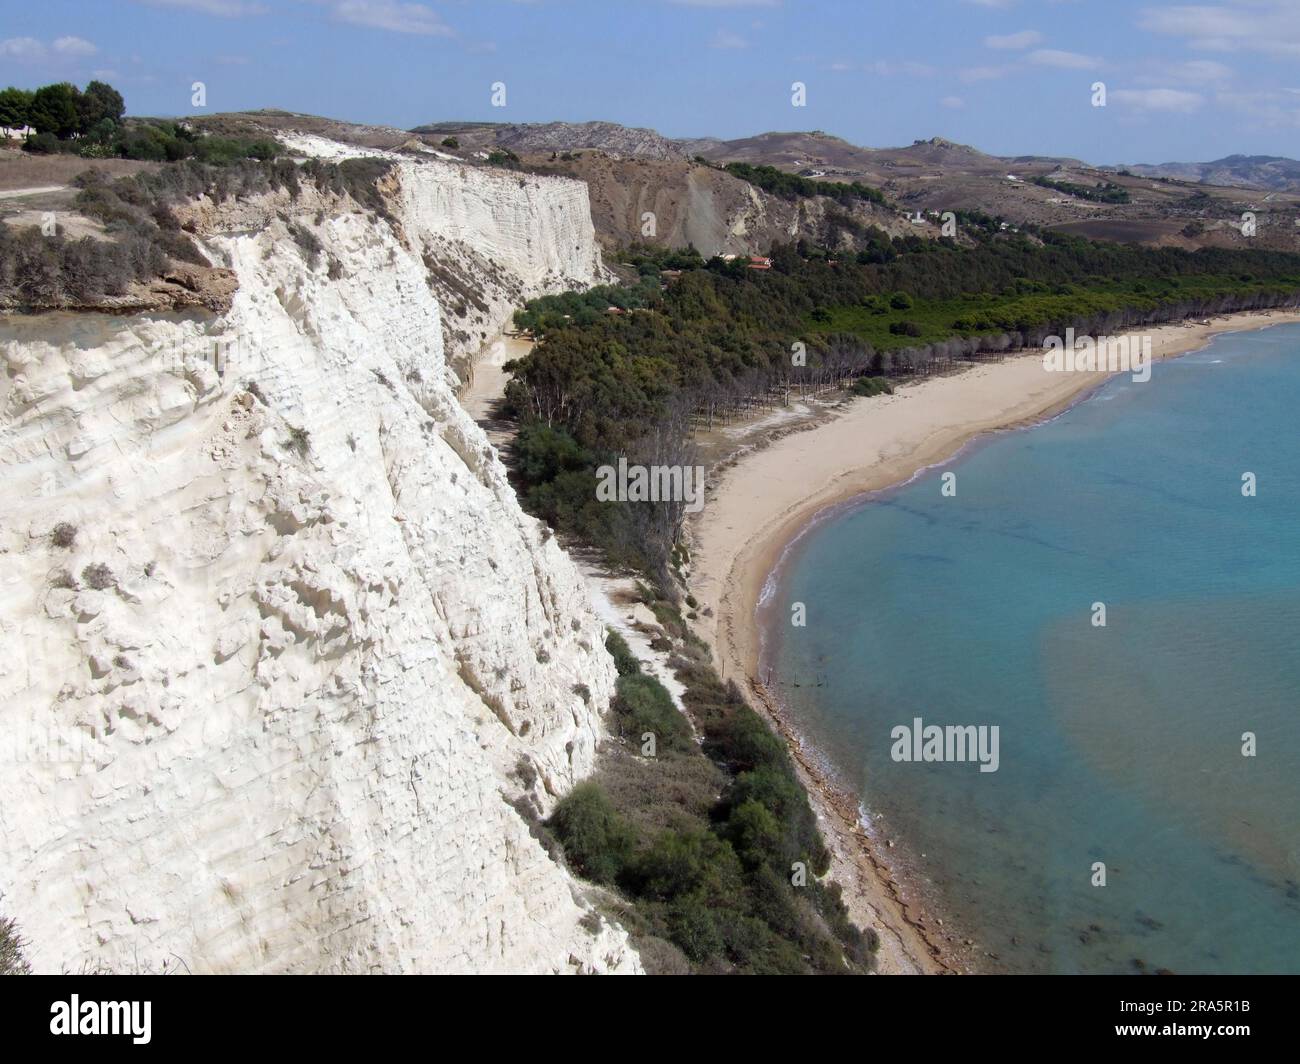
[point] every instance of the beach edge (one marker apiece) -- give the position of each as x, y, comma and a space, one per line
729, 571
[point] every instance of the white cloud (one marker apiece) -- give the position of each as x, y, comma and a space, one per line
74, 46
22, 48
1191, 72
887, 68
1064, 60
1023, 39
392, 15
955, 103
727, 39
1169, 100
221, 8
1264, 108
982, 73
1270, 26
30, 50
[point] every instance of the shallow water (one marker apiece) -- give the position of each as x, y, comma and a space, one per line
1120, 744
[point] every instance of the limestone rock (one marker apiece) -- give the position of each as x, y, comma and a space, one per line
265, 713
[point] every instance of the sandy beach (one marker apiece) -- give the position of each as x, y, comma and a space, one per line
761, 501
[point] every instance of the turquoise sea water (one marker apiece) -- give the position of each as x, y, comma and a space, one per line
1119, 744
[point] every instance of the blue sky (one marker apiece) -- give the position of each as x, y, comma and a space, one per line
1184, 82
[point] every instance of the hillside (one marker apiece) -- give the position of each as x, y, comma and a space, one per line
1175, 205
1271, 172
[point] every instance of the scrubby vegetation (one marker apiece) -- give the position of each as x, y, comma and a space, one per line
144, 234
13, 960
624, 660
792, 186
641, 707
299, 441
714, 846
869, 386
44, 269
98, 576
38, 270
504, 157
1107, 192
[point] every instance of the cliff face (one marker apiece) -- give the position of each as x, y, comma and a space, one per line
711, 210
276, 704
489, 239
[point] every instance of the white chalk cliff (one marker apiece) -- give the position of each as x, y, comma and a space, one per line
287, 725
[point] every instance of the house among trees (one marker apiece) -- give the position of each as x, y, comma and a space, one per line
760, 262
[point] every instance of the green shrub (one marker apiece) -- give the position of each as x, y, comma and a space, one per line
871, 386
755, 834
743, 741
624, 660
642, 704
690, 859
44, 144
597, 841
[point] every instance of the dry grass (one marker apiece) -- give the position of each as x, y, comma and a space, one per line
20, 169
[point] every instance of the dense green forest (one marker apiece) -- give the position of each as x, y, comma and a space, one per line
720, 339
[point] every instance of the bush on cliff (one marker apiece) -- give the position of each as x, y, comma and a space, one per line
624, 660
707, 849
643, 705
13, 960
597, 840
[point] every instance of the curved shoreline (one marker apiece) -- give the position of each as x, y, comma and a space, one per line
766, 498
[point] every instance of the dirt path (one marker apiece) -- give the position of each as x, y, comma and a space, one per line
481, 396
19, 193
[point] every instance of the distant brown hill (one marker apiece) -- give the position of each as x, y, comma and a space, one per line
632, 171
1272, 172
